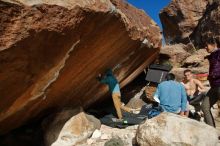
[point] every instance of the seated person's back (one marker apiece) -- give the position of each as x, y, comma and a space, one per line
171, 95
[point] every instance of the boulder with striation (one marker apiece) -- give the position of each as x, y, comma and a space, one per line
52, 50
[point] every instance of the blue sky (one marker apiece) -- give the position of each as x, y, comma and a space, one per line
151, 7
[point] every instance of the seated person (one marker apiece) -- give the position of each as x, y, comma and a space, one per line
171, 96
194, 88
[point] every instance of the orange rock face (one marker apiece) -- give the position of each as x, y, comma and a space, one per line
51, 52
180, 18
191, 21
209, 25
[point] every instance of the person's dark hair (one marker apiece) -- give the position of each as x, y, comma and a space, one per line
108, 72
211, 41
170, 76
187, 70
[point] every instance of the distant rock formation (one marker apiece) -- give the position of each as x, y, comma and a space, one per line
209, 25
183, 57
180, 18
191, 21
52, 50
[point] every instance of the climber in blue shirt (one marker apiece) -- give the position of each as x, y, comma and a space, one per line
109, 79
171, 96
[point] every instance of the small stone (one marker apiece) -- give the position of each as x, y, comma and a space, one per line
96, 134
90, 141
114, 142
105, 136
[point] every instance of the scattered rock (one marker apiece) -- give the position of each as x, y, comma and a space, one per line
197, 59
114, 136
170, 129
114, 142
137, 101
77, 129
175, 53
150, 90
215, 111
96, 134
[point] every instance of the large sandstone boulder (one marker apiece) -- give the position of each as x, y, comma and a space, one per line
191, 21
180, 18
53, 124
209, 25
52, 50
170, 129
76, 129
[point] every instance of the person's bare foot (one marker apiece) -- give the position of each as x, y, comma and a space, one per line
117, 120
135, 111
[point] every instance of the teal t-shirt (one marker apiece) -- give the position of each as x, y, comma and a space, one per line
112, 82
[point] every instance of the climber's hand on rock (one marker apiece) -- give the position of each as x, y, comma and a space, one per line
99, 77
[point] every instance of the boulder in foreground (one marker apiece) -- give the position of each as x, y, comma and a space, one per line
76, 129
169, 129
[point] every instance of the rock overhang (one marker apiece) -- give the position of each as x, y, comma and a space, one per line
53, 50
